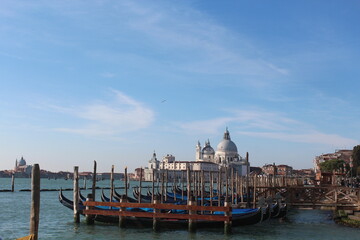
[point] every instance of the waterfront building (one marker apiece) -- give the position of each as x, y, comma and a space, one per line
342, 154
323, 177
206, 159
21, 167
269, 169
284, 170
277, 170
226, 155
151, 170
139, 172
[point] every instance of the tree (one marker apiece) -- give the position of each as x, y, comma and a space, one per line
356, 160
332, 165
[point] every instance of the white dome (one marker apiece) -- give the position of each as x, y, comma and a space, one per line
22, 162
208, 150
227, 146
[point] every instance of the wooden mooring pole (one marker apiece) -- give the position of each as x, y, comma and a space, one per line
122, 219
126, 182
140, 185
153, 186
35, 201
192, 222
155, 219
219, 187
188, 183
89, 218
76, 195
248, 201
84, 182
12, 182
94, 181
112, 183
227, 223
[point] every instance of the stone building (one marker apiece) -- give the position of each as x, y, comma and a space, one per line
343, 154
284, 170
22, 167
206, 159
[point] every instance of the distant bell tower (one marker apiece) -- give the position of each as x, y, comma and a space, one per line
16, 165
198, 156
153, 163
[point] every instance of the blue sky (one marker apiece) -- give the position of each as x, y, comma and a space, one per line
113, 81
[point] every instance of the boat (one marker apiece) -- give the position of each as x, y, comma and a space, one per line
239, 216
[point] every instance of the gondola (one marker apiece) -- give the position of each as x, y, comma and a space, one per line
275, 210
239, 217
68, 203
282, 211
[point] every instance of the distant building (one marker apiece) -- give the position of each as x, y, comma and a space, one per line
269, 169
310, 173
255, 171
206, 159
343, 154
226, 155
107, 175
22, 167
284, 170
139, 172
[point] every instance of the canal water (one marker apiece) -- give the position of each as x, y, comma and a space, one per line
56, 221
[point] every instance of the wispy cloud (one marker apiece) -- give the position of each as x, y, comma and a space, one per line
207, 126
333, 140
270, 125
108, 75
214, 48
123, 114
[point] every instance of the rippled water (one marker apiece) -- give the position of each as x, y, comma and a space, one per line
56, 221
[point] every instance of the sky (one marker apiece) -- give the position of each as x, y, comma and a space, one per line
114, 81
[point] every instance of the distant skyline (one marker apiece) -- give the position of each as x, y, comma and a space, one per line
114, 81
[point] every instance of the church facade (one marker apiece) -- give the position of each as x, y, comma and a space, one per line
22, 167
226, 155
206, 159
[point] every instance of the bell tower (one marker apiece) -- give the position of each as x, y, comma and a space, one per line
198, 156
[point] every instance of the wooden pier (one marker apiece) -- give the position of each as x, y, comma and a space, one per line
317, 197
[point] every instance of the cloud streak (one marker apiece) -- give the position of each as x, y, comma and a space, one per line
269, 125
215, 49
311, 137
124, 114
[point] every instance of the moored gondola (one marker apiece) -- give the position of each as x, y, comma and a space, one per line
239, 216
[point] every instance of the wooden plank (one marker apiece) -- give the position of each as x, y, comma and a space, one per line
158, 206
158, 215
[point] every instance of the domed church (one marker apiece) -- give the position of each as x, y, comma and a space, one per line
226, 154
20, 166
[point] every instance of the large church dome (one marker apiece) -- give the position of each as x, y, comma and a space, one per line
226, 145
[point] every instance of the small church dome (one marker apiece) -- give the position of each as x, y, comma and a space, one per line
207, 150
22, 162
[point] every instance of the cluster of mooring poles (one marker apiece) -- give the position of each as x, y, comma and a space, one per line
224, 190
